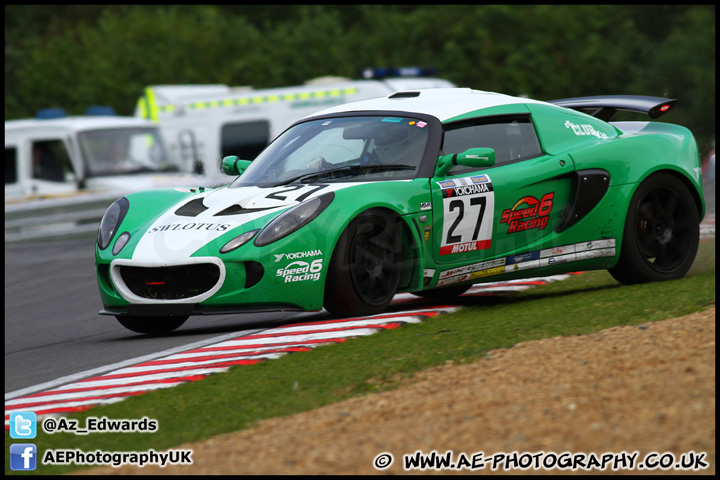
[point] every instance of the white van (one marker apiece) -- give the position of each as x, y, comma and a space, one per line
67, 156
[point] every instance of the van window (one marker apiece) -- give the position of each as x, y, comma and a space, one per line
513, 139
11, 165
246, 140
51, 161
124, 151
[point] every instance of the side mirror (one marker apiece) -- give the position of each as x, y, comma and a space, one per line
232, 165
472, 157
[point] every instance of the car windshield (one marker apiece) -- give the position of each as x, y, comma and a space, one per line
122, 151
343, 149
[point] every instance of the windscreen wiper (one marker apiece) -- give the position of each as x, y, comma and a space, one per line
348, 170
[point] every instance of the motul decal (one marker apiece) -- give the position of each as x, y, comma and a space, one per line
464, 247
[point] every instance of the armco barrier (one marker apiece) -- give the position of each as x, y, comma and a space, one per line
56, 218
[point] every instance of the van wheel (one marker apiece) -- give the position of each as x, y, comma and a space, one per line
662, 232
364, 270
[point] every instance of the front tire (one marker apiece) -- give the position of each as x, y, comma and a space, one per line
364, 270
151, 325
662, 232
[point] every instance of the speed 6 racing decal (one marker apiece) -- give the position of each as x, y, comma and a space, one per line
300, 271
535, 214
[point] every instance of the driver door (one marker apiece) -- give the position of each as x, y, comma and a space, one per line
506, 209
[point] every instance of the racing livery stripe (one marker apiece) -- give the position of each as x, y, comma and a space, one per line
332, 96
172, 238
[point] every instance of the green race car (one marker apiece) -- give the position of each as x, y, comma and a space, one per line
427, 191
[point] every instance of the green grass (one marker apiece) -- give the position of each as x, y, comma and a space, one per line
299, 382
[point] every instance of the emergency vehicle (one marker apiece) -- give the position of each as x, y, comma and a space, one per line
201, 124
55, 155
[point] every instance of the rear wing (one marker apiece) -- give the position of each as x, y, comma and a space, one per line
605, 107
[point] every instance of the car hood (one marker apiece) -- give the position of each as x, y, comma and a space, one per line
193, 222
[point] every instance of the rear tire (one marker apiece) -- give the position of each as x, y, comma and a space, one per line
662, 232
364, 270
151, 325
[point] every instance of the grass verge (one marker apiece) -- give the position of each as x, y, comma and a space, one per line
294, 383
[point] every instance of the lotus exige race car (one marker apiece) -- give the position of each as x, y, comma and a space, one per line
425, 191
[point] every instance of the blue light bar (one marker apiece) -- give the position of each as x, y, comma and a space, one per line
50, 113
100, 110
380, 72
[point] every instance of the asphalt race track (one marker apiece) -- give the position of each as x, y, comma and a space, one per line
52, 326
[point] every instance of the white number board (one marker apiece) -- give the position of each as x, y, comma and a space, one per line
468, 211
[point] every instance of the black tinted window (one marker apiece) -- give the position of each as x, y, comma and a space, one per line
51, 161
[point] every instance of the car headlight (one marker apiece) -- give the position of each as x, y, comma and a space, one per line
111, 221
121, 242
293, 219
239, 241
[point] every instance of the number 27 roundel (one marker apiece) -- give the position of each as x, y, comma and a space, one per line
468, 209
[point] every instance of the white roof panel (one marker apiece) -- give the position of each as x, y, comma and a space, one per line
443, 103
77, 123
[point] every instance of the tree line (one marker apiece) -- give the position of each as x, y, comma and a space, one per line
74, 56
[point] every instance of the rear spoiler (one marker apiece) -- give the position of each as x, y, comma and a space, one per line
606, 106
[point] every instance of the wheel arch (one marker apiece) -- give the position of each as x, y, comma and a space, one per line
646, 253
696, 196
366, 266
